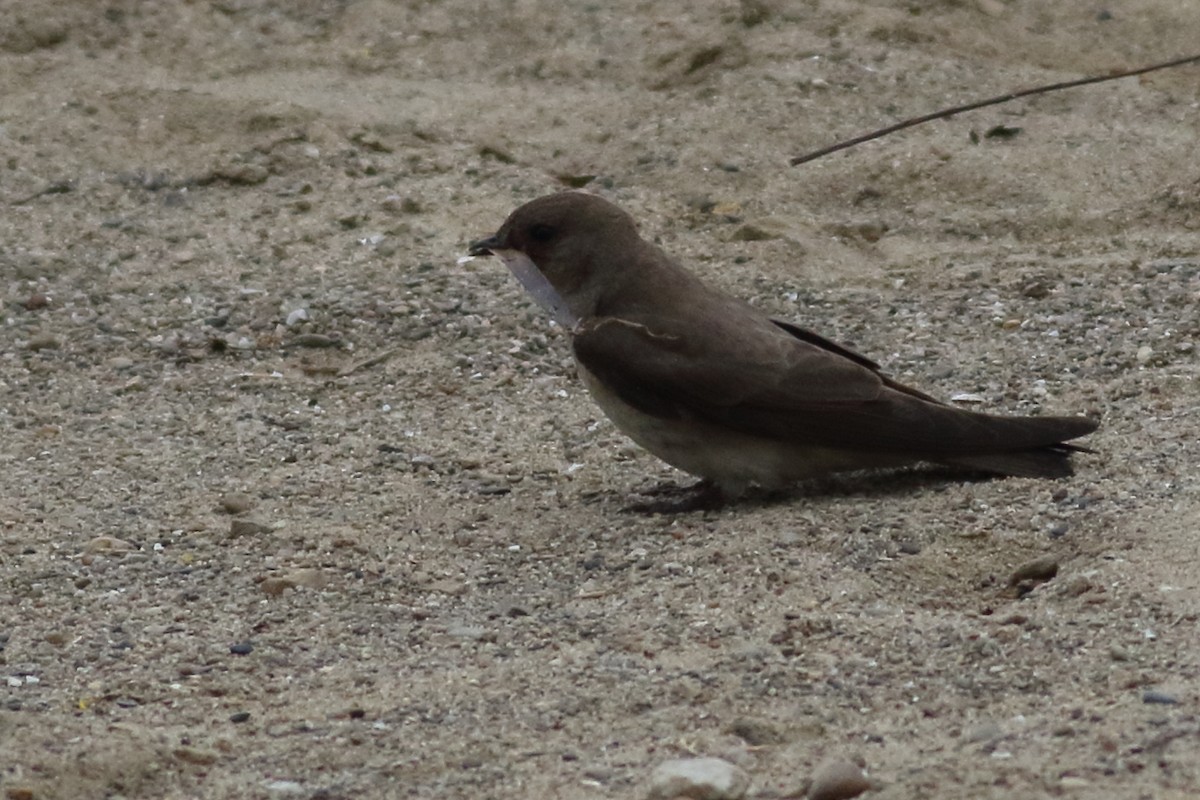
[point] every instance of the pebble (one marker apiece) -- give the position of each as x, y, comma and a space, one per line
310, 578
247, 527
1076, 586
241, 648
43, 341
838, 779
316, 340
756, 732
241, 174
1036, 290
108, 544
236, 503
193, 756
1040, 569
284, 787
1153, 696
752, 233
18, 793
698, 779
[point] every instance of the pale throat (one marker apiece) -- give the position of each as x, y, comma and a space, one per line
536, 284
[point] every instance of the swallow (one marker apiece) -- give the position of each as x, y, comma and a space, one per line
714, 387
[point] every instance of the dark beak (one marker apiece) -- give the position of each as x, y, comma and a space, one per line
483, 247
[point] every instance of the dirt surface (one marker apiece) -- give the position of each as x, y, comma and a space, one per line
295, 504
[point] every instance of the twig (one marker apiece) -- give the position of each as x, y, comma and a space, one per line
949, 112
368, 362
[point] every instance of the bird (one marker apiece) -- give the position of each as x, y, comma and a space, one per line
717, 388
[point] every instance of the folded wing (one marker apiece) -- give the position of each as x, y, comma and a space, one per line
786, 382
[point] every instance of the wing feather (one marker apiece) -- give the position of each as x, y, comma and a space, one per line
784, 382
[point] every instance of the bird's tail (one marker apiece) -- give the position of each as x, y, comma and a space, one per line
1052, 460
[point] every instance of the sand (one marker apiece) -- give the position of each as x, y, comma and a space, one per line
297, 504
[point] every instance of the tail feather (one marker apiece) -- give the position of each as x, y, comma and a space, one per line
1050, 458
1043, 462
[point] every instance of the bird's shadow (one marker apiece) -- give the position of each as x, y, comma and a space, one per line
677, 498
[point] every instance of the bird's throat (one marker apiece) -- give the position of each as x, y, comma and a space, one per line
537, 285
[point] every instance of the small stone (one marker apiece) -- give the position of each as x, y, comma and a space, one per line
316, 340
274, 586
698, 779
43, 341
756, 732
1039, 570
967, 398
838, 779
36, 301
236, 503
18, 793
135, 384
193, 756
239, 717
308, 578
241, 174
1144, 354
1035, 290
470, 632
447, 586
241, 648
1155, 697
284, 787
247, 527
1077, 586
108, 544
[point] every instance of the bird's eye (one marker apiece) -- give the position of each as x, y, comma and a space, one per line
542, 233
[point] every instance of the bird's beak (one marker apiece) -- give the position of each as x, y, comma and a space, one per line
484, 247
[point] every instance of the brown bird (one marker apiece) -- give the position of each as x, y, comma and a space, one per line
716, 388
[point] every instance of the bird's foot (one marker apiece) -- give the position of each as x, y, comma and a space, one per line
704, 495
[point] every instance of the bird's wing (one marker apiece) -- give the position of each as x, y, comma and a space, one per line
769, 380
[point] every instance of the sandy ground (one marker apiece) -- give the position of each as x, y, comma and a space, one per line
296, 505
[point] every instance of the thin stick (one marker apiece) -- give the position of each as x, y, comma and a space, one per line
949, 112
